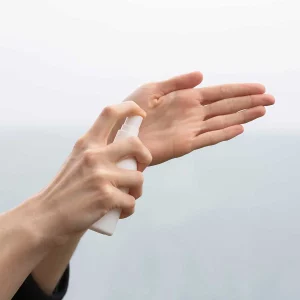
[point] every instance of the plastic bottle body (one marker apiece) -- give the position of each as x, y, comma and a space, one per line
107, 224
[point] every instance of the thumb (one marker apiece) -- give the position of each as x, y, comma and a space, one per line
181, 82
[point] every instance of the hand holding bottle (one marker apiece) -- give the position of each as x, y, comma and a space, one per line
90, 183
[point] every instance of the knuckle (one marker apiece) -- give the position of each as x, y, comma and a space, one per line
221, 122
80, 144
225, 91
251, 100
243, 117
105, 191
89, 158
110, 111
231, 105
100, 176
98, 180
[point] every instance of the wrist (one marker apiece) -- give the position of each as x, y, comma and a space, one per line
21, 235
22, 248
39, 223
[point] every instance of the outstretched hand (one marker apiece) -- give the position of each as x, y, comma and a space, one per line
182, 118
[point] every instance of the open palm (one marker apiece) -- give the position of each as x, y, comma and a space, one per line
182, 118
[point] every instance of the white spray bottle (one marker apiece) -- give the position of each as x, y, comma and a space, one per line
107, 224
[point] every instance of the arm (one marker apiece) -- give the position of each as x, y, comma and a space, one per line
177, 111
87, 187
49, 271
23, 245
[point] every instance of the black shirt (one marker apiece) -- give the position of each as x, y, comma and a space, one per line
31, 291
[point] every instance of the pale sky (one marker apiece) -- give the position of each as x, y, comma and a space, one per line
62, 61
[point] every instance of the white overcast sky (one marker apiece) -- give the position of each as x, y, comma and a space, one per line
62, 61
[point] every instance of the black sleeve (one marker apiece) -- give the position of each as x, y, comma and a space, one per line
30, 290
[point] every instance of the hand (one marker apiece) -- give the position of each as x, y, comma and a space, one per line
181, 118
88, 185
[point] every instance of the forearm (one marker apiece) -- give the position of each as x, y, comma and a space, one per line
22, 248
49, 271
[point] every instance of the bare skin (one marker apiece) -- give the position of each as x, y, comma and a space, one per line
86, 188
180, 119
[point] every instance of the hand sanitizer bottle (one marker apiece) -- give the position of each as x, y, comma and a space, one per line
107, 224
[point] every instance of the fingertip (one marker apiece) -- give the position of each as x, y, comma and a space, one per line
239, 129
259, 111
141, 167
196, 77
256, 88
180, 82
261, 87
127, 212
271, 99
135, 108
140, 112
143, 114
197, 74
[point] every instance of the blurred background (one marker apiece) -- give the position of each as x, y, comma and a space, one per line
220, 223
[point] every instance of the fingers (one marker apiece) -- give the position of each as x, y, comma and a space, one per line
123, 201
109, 178
241, 117
185, 81
132, 180
232, 105
215, 137
136, 192
127, 179
131, 147
212, 94
123, 181
127, 212
110, 116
